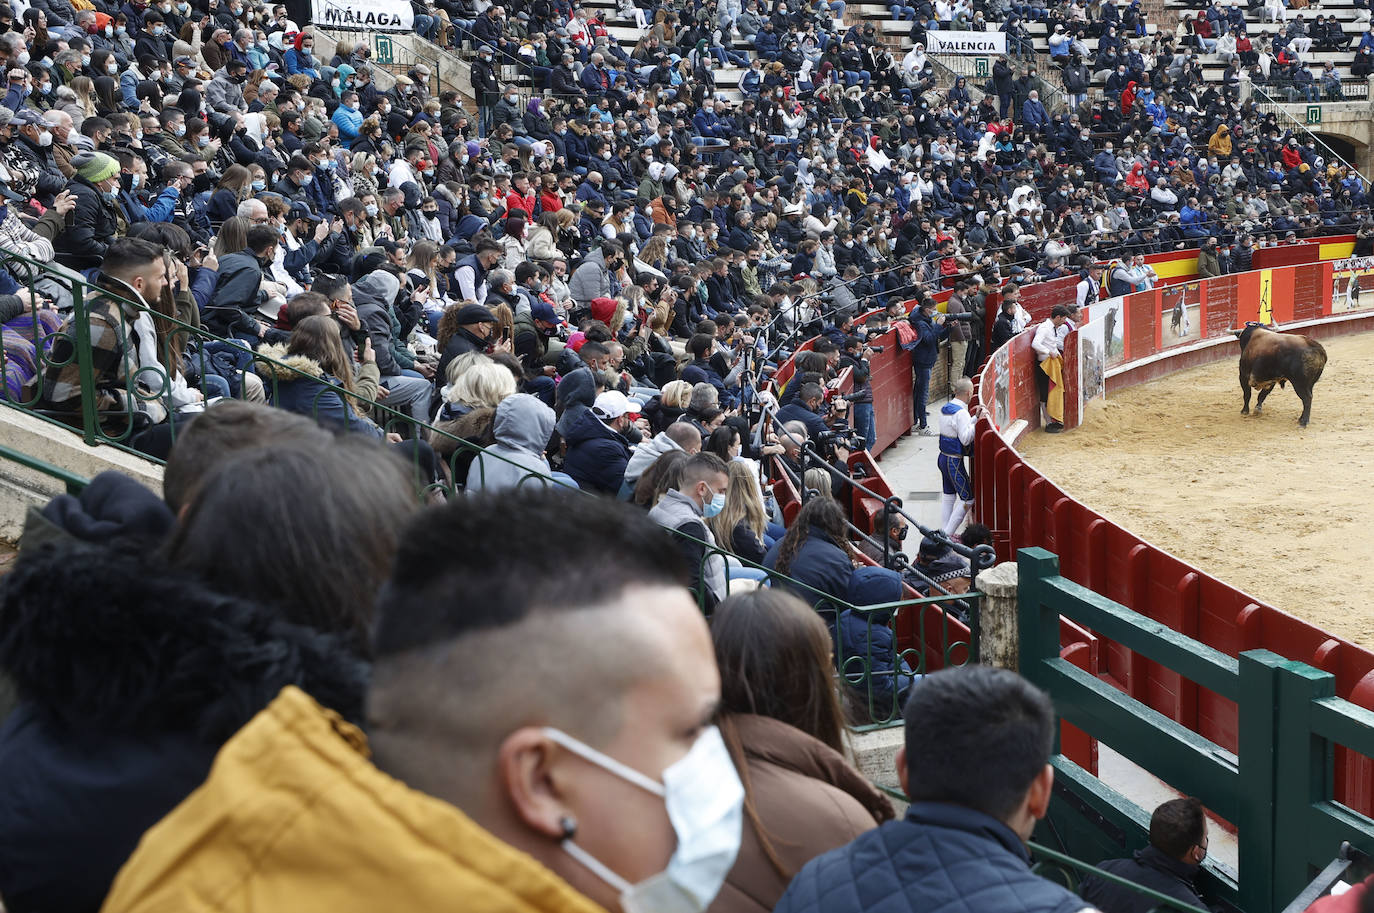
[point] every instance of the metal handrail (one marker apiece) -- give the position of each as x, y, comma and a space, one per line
146, 387
1277, 106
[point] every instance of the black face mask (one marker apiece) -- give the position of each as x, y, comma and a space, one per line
201, 182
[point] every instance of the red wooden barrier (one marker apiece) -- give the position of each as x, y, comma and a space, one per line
1027, 509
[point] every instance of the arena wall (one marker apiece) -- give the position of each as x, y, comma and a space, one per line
1024, 508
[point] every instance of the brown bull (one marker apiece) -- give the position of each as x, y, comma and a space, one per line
1268, 358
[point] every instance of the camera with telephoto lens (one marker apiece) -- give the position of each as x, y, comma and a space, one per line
878, 349
841, 435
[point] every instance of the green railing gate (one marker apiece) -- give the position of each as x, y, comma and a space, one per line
1278, 790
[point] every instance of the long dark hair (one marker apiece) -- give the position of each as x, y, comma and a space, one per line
774, 657
315, 530
824, 514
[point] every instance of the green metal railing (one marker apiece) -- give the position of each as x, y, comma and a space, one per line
1070, 872
70, 480
1279, 790
874, 670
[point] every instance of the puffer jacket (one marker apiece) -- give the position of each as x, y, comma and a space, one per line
597, 455
940, 858
809, 800
307, 390
291, 796
868, 648
130, 677
590, 280
522, 429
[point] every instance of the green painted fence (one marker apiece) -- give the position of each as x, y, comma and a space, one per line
1278, 789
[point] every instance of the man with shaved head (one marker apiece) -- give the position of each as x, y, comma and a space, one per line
532, 719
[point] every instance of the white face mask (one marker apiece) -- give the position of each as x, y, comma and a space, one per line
705, 802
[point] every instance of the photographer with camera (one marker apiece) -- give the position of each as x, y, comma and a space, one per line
855, 357
830, 438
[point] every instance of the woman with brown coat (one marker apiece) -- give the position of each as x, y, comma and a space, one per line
782, 722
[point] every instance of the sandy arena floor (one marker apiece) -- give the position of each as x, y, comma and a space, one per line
1282, 512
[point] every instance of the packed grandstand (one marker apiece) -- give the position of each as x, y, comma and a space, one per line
543, 251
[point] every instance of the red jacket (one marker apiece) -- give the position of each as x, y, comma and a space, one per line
550, 201
515, 201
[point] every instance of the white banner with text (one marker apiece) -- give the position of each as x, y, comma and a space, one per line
994, 43
364, 15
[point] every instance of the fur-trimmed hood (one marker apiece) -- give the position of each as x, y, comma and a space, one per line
128, 644
281, 363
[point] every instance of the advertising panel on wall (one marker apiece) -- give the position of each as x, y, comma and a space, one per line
1092, 364
1112, 314
1352, 284
1180, 314
1000, 404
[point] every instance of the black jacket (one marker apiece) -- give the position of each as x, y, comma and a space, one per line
91, 225
235, 301
51, 180
130, 677
1149, 867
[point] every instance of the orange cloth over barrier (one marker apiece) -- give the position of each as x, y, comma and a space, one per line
1054, 367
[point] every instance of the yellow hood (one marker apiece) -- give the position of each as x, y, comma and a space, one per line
295, 817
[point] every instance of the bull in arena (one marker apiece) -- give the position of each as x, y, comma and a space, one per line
1268, 358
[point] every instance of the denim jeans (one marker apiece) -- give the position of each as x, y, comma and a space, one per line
853, 78
427, 26
920, 392
863, 423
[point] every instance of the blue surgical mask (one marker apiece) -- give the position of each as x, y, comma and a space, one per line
110, 195
135, 181
259, 186
179, 130
204, 140
715, 505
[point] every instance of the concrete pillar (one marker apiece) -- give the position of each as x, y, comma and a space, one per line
1247, 88
997, 615
875, 754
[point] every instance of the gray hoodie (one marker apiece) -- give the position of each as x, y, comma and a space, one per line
646, 453
522, 429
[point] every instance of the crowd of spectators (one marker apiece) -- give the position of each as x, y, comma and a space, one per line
599, 209
588, 276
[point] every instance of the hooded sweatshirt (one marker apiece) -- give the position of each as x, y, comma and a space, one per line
522, 429
372, 296
646, 454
